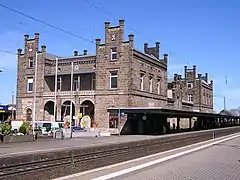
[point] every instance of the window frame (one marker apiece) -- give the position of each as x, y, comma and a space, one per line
76, 83
93, 82
142, 81
190, 98
113, 76
29, 114
113, 53
159, 86
150, 84
30, 81
190, 83
30, 61
59, 83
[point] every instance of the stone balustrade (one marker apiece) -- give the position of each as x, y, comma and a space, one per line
68, 93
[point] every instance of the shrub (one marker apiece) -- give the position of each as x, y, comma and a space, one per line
6, 128
24, 128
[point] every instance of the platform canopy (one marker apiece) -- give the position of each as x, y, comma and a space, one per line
165, 111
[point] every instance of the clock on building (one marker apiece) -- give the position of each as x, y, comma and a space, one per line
29, 47
76, 67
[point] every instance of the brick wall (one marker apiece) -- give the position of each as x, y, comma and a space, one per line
200, 90
106, 97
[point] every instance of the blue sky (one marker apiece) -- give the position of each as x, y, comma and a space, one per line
205, 33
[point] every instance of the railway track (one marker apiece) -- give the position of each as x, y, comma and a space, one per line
77, 161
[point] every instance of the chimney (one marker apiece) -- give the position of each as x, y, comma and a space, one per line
165, 57
121, 23
158, 49
19, 52
185, 73
43, 48
131, 40
37, 35
98, 41
194, 72
206, 77
211, 83
131, 37
146, 48
194, 67
84, 52
107, 24
75, 53
26, 36
175, 77
199, 76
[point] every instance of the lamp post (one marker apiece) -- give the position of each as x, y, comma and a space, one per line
34, 96
12, 105
71, 105
55, 91
1, 70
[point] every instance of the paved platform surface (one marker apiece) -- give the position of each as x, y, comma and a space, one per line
216, 162
221, 161
53, 145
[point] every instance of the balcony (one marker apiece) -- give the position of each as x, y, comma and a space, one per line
68, 93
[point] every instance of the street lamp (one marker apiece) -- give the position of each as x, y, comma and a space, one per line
1, 70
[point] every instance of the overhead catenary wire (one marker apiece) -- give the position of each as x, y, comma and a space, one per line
7, 52
66, 31
59, 28
47, 24
94, 5
63, 30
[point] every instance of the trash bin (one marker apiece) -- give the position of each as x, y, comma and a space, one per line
59, 134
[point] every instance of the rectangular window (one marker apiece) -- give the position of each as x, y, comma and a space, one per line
30, 84
30, 62
159, 86
113, 79
190, 98
210, 100
206, 99
141, 81
189, 85
114, 53
150, 84
59, 83
75, 83
93, 82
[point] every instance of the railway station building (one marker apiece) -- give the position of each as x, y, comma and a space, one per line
116, 75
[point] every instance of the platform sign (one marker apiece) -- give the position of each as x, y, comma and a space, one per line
3, 108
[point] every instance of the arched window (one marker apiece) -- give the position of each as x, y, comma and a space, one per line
29, 115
